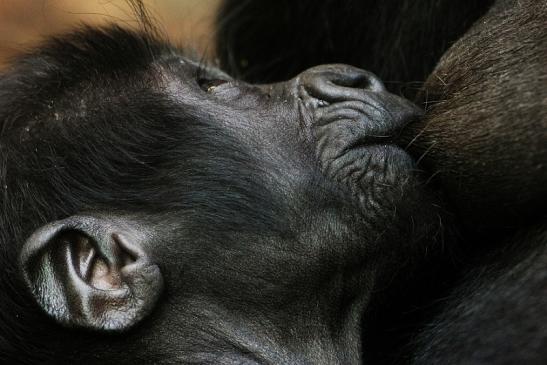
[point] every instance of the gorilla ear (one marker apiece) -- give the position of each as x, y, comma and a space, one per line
91, 272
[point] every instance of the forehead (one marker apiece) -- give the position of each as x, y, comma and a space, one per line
87, 113
101, 63
87, 76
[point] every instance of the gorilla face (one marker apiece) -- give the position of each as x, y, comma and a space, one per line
334, 125
207, 219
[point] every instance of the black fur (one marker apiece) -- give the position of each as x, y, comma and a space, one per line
84, 129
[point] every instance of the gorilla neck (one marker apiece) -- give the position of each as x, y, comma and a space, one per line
308, 339
312, 328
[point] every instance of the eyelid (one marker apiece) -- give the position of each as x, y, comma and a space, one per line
209, 85
209, 79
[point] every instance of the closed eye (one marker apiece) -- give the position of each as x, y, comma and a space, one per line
208, 78
209, 85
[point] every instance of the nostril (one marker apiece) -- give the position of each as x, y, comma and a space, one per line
338, 82
364, 80
348, 76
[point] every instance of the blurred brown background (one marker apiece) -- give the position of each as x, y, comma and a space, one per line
25, 22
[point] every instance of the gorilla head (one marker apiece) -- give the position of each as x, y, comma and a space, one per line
158, 211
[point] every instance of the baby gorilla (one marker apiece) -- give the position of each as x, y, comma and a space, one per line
158, 211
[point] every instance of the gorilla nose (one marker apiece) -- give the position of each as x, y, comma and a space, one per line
337, 82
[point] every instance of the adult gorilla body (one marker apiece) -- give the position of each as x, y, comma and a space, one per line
483, 139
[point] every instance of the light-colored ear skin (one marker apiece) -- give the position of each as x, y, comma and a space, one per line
91, 272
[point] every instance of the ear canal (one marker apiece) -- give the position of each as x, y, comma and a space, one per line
90, 272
